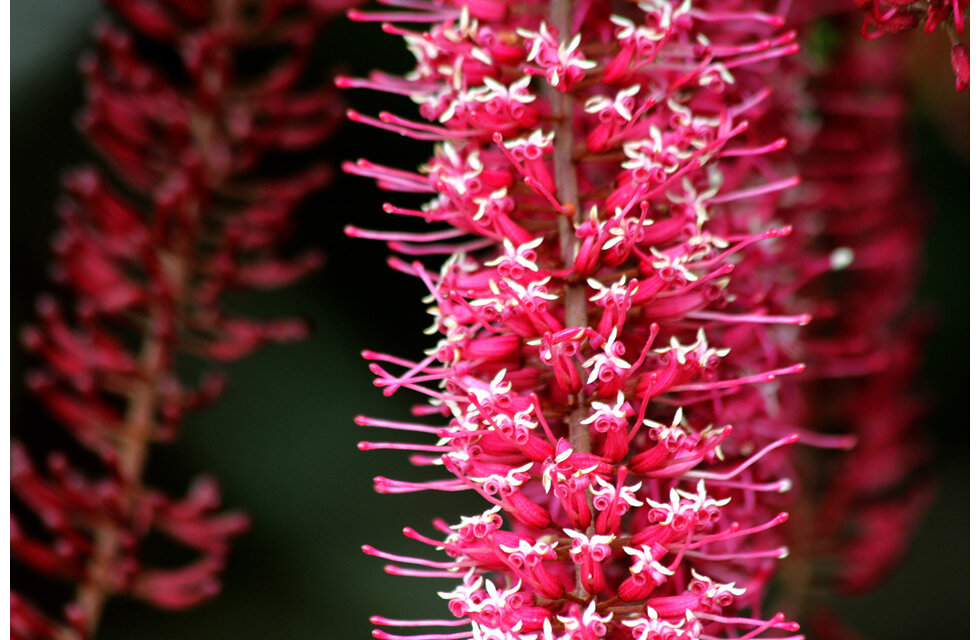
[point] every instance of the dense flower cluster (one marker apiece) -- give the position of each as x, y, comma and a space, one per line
617, 381
862, 348
852, 265
143, 277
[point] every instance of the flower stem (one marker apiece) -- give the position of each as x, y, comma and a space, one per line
566, 185
176, 258
140, 424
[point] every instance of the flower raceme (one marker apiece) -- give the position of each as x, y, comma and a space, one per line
862, 195
145, 286
609, 375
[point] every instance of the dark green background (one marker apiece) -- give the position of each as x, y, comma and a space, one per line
282, 441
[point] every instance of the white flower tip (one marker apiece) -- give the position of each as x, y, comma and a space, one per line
841, 258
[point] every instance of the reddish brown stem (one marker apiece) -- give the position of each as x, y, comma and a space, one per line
566, 186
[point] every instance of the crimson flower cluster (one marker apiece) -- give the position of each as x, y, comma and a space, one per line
863, 346
615, 370
852, 266
144, 258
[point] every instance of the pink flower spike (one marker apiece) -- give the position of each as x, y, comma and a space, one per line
183, 210
628, 182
